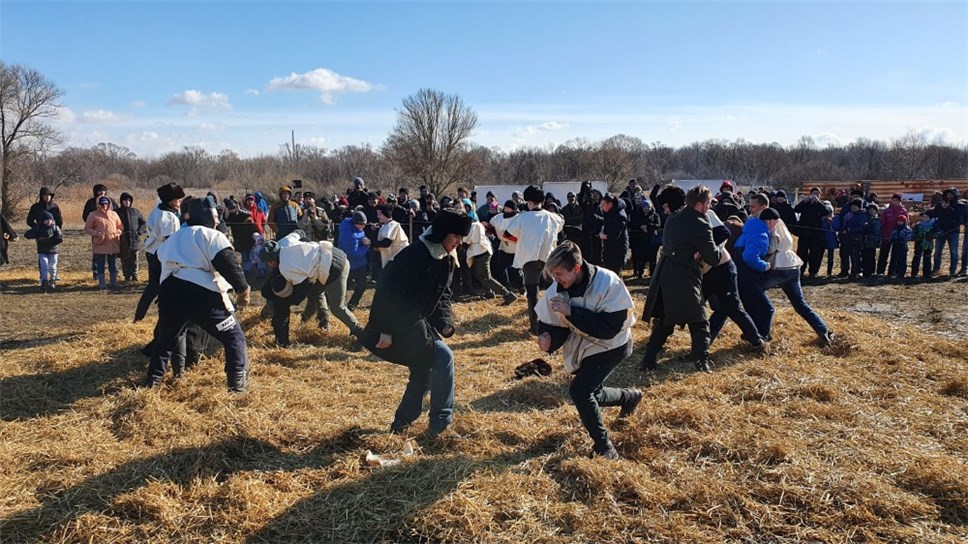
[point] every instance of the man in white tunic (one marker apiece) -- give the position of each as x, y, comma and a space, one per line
198, 268
588, 312
536, 231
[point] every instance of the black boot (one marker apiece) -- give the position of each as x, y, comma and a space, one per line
702, 365
238, 381
631, 400
650, 360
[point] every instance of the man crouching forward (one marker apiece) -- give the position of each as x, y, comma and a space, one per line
410, 314
588, 310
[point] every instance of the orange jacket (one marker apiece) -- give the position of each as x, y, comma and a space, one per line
105, 230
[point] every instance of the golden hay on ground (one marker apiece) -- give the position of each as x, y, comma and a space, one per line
864, 441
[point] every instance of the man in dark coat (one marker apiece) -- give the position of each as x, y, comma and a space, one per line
410, 315
614, 234
675, 292
590, 200
574, 218
811, 237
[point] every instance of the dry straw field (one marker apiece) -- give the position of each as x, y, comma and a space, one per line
866, 441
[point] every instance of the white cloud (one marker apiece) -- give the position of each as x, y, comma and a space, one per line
829, 139
102, 116
65, 115
252, 92
198, 100
523, 133
211, 126
138, 104
317, 141
941, 135
324, 80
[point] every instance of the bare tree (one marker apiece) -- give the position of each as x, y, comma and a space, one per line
27, 99
429, 140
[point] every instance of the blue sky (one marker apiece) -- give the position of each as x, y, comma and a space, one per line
157, 76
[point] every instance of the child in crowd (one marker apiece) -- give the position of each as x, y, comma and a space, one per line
872, 240
900, 237
853, 227
254, 265
48, 236
923, 237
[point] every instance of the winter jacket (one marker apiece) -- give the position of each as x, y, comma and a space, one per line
889, 218
33, 215
315, 224
257, 216
242, 227
105, 229
754, 244
412, 305
677, 277
615, 226
91, 205
351, 242
810, 223
47, 237
283, 217
947, 219
787, 215
133, 227
923, 235
872, 235
830, 234
901, 235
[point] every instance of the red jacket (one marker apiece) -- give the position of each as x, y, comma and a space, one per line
889, 219
258, 217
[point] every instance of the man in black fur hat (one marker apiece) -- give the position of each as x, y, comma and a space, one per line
410, 316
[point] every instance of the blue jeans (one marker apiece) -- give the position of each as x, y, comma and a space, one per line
952, 240
439, 381
789, 282
112, 265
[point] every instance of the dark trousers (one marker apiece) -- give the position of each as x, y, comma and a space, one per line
180, 303
358, 279
719, 286
830, 261
921, 261
810, 249
898, 265
867, 261
481, 270
532, 280
129, 264
593, 245
613, 257
588, 392
509, 276
698, 333
281, 307
151, 288
882, 257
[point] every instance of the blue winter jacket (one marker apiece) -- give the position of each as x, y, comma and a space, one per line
754, 243
351, 242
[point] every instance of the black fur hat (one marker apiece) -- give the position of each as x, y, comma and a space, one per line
170, 191
449, 221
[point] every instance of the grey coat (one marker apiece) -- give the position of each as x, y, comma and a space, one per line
675, 293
